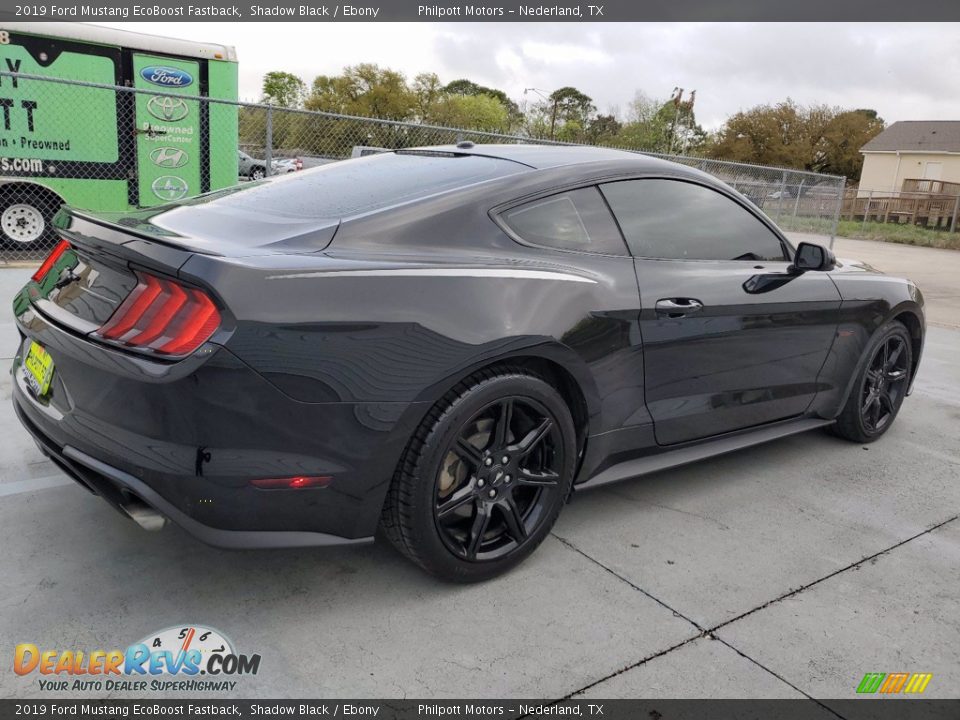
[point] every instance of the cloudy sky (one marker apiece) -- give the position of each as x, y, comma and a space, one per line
904, 71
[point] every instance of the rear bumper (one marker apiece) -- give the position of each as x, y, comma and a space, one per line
187, 438
119, 488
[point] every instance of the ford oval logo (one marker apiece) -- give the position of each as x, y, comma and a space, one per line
166, 76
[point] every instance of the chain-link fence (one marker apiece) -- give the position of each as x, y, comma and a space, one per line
112, 148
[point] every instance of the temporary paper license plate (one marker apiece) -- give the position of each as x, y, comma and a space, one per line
38, 369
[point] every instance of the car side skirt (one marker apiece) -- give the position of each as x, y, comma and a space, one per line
683, 455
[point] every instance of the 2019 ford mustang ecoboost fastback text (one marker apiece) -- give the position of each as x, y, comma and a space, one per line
440, 342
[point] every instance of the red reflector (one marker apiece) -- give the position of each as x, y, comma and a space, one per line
299, 482
163, 316
51, 260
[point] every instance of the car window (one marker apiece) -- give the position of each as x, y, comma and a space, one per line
573, 220
352, 187
673, 219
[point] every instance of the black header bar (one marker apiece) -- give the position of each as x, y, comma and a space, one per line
491, 11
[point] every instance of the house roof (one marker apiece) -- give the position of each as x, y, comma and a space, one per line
917, 135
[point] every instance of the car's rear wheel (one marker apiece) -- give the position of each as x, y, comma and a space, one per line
484, 477
258, 173
880, 387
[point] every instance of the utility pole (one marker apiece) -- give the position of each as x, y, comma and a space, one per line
675, 97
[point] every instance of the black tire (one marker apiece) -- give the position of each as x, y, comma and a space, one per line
257, 173
880, 386
26, 217
468, 511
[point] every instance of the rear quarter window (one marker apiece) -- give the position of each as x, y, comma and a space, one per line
573, 220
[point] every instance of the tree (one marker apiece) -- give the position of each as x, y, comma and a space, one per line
474, 112
663, 126
468, 87
843, 136
604, 130
428, 91
817, 138
283, 88
569, 106
367, 90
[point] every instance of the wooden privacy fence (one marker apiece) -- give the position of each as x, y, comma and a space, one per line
925, 209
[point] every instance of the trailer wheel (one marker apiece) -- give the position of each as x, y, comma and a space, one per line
26, 215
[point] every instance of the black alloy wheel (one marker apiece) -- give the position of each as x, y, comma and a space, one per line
484, 477
497, 479
880, 387
884, 384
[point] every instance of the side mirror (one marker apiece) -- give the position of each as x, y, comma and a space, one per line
813, 257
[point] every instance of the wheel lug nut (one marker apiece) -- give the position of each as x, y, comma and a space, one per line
488, 462
492, 493
505, 459
507, 479
480, 482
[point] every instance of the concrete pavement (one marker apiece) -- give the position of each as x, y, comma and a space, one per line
786, 570
935, 270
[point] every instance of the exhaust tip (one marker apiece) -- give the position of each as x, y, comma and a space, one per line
145, 516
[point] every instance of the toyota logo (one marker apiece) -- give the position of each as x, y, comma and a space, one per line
169, 188
168, 157
168, 109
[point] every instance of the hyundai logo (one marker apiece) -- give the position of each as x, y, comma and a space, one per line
169, 188
167, 109
166, 76
168, 157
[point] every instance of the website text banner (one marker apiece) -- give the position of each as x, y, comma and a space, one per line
597, 709
511, 11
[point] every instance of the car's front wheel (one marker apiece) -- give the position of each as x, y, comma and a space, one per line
880, 386
484, 477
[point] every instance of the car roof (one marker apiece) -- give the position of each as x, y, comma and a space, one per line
540, 157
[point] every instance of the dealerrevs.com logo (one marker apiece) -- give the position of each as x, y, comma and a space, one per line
181, 658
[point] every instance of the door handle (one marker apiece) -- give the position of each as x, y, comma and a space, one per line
678, 307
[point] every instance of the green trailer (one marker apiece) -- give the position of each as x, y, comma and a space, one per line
103, 149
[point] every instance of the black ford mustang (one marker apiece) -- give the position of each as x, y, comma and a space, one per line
441, 343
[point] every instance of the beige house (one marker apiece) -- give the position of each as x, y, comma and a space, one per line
913, 156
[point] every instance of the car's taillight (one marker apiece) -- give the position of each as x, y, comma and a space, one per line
163, 316
51, 260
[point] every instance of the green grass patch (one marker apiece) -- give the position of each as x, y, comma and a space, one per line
815, 225
904, 234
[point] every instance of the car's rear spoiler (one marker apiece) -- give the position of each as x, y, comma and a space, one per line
100, 236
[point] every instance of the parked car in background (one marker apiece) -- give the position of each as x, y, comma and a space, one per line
285, 165
784, 194
253, 168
